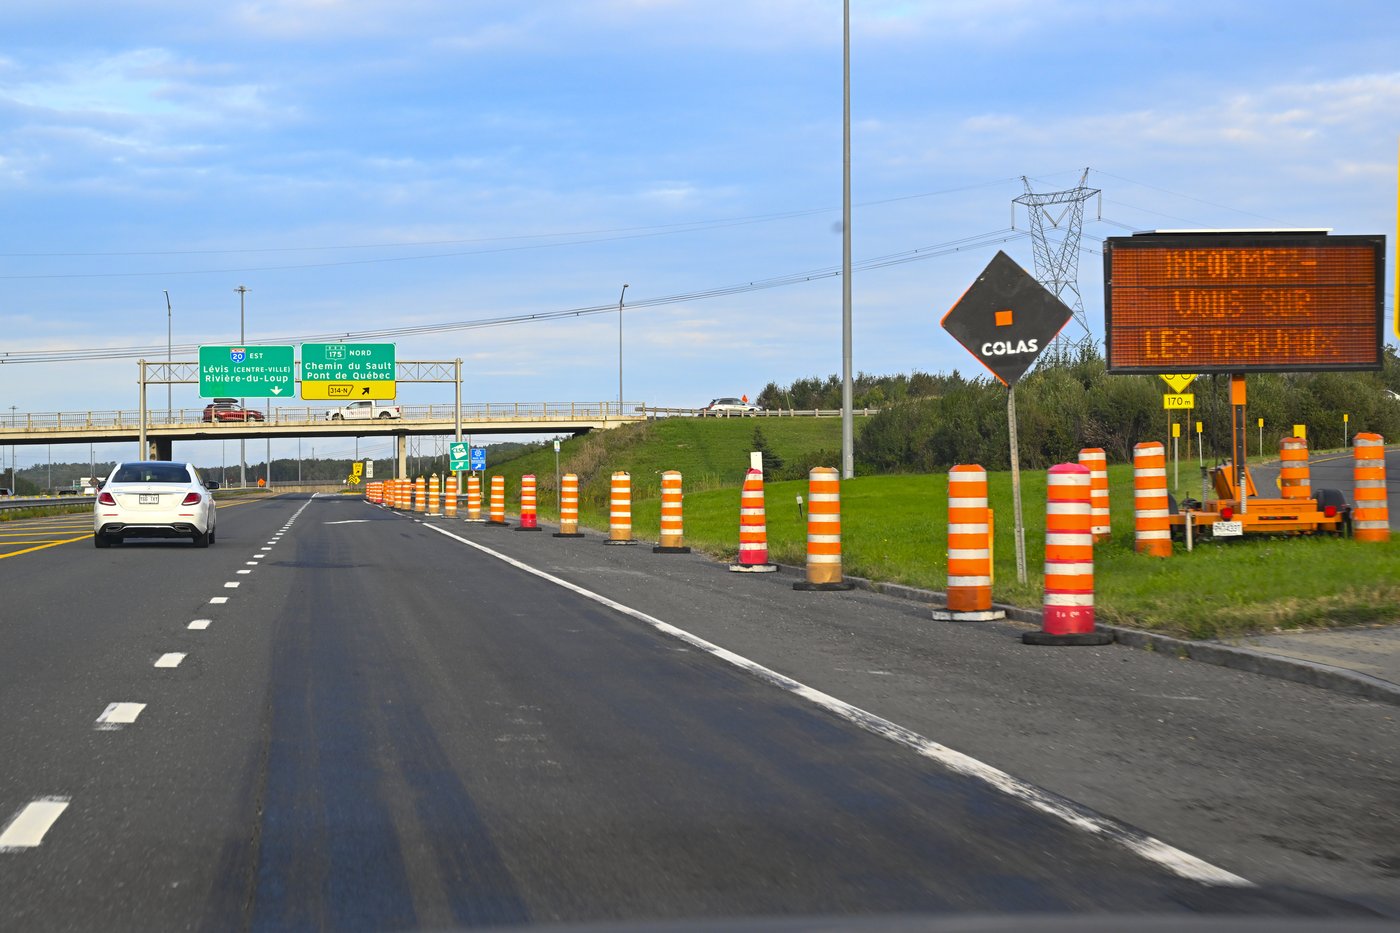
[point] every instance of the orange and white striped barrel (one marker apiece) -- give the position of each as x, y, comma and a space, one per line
370, 490
473, 498
969, 548
406, 494
529, 504
1152, 531
420, 495
498, 501
1068, 612
434, 495
620, 510
449, 497
1096, 461
672, 527
753, 527
568, 507
823, 532
1370, 517
1294, 477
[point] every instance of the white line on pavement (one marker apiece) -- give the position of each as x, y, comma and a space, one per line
117, 715
27, 827
1062, 808
170, 659
245, 571
252, 563
199, 625
231, 585
219, 600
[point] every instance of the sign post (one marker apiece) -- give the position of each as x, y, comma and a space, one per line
1006, 319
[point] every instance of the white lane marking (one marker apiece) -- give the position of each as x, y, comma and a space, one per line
117, 715
270, 543
219, 600
347, 521
245, 571
27, 827
199, 625
170, 659
251, 563
261, 549
1062, 808
231, 585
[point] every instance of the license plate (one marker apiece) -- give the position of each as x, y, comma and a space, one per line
1227, 529
148, 499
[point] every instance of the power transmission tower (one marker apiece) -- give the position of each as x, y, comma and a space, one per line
1057, 261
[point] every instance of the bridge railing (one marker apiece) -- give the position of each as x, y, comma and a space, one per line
563, 412
765, 413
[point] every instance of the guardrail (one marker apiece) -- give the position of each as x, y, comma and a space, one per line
765, 413
44, 502
193, 417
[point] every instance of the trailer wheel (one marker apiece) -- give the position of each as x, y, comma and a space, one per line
1334, 498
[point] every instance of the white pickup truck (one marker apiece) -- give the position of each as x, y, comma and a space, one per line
364, 411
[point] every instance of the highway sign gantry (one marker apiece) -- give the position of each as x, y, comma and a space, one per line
351, 371
246, 372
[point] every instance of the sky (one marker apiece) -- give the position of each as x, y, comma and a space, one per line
367, 165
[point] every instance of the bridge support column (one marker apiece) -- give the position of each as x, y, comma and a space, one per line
402, 457
161, 448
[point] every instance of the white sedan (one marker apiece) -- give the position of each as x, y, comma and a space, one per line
154, 499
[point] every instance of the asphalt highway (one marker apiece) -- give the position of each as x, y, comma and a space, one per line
340, 717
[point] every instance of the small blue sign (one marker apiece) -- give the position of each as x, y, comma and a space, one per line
478, 461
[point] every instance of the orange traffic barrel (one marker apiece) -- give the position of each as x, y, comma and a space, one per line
969, 549
1068, 611
753, 527
474, 498
420, 495
434, 495
1096, 461
620, 510
1294, 478
823, 532
529, 505
449, 498
498, 501
568, 507
1152, 530
672, 528
1370, 519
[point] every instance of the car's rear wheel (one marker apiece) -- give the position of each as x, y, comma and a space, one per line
385, 414
211, 534
201, 539
337, 417
101, 540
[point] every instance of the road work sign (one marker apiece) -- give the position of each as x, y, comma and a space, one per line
1178, 381
243, 372
349, 371
1006, 319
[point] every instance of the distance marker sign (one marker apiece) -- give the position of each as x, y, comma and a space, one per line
348, 371
1006, 318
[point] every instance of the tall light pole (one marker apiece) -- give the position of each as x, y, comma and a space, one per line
242, 442
848, 462
168, 384
619, 348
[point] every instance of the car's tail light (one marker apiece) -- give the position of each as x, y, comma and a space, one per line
106, 499
191, 499
1226, 513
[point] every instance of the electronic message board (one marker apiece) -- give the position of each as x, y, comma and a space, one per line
1248, 301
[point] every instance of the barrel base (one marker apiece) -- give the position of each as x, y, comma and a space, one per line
980, 615
569, 534
1072, 638
670, 550
754, 568
499, 524
611, 541
531, 528
823, 587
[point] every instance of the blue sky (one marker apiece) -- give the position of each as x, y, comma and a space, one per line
361, 165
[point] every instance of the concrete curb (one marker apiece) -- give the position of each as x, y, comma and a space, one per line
1311, 673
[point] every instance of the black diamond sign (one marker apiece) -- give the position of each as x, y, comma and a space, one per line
1006, 318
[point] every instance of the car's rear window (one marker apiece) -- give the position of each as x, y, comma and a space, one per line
151, 473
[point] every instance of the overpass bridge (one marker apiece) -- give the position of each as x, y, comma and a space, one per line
162, 428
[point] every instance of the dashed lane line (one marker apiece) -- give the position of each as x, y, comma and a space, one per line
117, 715
199, 625
26, 829
218, 600
170, 659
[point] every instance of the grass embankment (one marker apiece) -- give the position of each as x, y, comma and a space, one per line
894, 529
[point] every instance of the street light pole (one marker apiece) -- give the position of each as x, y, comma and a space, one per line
168, 384
848, 468
242, 442
619, 348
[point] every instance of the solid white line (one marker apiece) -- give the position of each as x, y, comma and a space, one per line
117, 715
199, 625
27, 827
219, 600
1062, 808
170, 659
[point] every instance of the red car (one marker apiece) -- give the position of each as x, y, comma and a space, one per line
228, 409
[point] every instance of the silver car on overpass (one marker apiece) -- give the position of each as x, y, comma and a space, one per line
153, 499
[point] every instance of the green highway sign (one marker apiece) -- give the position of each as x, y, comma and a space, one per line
350, 371
460, 456
241, 372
